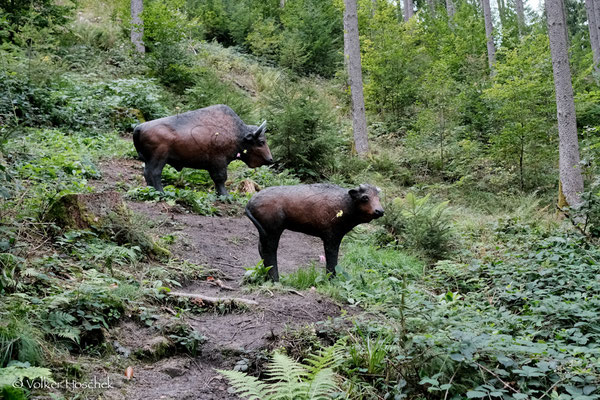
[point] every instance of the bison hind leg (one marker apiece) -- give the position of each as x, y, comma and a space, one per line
153, 172
267, 247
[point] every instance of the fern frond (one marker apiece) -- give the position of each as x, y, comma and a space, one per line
288, 378
73, 334
16, 373
331, 357
247, 386
291, 380
284, 369
322, 385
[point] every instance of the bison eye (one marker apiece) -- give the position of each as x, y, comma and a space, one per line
261, 142
364, 198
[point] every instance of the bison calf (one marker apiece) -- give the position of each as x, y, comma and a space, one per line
322, 210
208, 138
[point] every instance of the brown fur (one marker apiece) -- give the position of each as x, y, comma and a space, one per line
208, 138
325, 211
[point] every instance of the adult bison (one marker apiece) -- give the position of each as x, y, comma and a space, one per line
208, 138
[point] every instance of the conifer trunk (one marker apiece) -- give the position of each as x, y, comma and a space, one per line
520, 15
489, 33
353, 62
594, 34
571, 180
450, 8
408, 9
137, 25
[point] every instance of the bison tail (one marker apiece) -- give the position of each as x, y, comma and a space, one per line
260, 228
136, 142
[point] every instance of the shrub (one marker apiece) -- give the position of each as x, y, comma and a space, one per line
208, 89
420, 225
77, 104
302, 135
312, 37
165, 30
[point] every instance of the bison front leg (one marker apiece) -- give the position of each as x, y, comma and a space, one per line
219, 176
332, 249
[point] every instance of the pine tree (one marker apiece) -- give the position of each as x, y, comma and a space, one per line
570, 178
353, 63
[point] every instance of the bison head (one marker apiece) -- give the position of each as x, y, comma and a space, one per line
256, 151
366, 202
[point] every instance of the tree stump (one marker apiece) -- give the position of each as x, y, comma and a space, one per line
87, 211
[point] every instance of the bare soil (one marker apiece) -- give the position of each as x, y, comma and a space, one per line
225, 245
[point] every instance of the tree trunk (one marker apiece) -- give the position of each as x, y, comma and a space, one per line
408, 9
571, 180
593, 28
352, 56
431, 6
489, 33
137, 25
450, 8
520, 15
596, 8
502, 13
281, 3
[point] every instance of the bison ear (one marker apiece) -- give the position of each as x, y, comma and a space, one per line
260, 129
354, 193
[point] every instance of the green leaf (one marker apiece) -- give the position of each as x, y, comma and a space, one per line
475, 394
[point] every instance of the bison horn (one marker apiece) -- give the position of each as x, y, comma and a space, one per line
261, 129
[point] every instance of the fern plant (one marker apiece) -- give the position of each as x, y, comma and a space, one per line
18, 371
314, 379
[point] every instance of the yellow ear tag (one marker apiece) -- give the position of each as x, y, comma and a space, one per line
245, 151
339, 214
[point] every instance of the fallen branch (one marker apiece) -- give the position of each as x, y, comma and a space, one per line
295, 292
219, 283
506, 385
213, 300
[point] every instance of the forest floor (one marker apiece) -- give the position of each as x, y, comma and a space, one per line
224, 245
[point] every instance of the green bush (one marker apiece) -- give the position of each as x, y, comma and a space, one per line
75, 104
418, 224
50, 164
523, 317
312, 37
302, 133
166, 29
208, 89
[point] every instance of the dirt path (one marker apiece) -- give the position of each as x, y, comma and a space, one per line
225, 245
